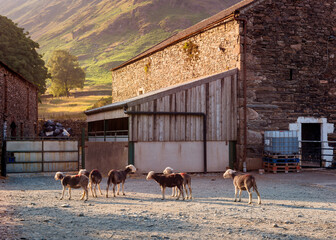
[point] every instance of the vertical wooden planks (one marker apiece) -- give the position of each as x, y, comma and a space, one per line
151, 122
135, 124
183, 118
160, 120
234, 107
228, 106
188, 118
224, 110
216, 98
198, 120
172, 108
166, 122
218, 110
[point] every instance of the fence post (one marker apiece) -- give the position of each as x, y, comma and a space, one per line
83, 148
3, 159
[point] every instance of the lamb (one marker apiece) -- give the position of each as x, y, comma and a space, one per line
242, 182
117, 177
170, 180
73, 181
186, 181
95, 178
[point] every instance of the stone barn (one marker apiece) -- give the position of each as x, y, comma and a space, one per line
283, 52
18, 105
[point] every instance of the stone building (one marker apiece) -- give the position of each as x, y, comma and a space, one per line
18, 104
284, 52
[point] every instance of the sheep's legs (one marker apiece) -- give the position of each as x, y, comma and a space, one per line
250, 196
69, 193
163, 189
100, 189
107, 190
114, 185
85, 192
122, 188
95, 192
90, 186
118, 189
236, 191
62, 193
259, 199
173, 191
190, 192
181, 191
186, 190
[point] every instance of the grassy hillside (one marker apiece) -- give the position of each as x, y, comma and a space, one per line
105, 33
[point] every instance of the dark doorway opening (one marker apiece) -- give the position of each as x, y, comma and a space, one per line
311, 145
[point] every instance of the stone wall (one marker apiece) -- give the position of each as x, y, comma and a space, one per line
291, 68
18, 104
173, 65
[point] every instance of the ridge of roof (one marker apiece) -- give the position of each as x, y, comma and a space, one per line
17, 74
188, 32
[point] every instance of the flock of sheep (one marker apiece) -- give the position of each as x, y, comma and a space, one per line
177, 181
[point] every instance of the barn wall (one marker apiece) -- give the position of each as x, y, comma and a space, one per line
181, 156
106, 156
18, 102
217, 98
173, 65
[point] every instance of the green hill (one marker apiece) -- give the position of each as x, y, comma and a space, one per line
105, 33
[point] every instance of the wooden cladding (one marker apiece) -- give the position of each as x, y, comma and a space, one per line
216, 98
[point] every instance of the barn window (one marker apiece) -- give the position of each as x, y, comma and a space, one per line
108, 130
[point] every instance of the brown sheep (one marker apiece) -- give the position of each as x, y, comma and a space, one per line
243, 183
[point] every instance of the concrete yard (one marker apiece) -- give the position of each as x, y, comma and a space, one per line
294, 206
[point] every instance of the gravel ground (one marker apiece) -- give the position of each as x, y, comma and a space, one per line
294, 206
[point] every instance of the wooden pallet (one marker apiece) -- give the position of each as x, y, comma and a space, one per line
281, 156
281, 167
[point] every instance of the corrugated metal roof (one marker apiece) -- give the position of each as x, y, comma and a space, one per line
156, 94
195, 29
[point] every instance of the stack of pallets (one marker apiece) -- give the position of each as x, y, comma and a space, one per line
281, 163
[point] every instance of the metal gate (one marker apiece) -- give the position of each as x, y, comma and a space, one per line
318, 153
31, 156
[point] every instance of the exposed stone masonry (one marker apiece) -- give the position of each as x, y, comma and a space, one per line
18, 104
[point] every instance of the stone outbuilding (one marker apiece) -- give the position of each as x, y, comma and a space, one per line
18, 105
284, 55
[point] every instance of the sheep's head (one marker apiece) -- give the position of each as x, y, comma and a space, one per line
168, 170
59, 176
82, 171
228, 173
150, 175
131, 167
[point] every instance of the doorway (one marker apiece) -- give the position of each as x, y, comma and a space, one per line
311, 145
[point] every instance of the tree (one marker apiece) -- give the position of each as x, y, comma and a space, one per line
18, 51
66, 74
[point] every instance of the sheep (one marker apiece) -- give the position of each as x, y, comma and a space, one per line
73, 181
95, 178
170, 180
117, 177
242, 182
186, 181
